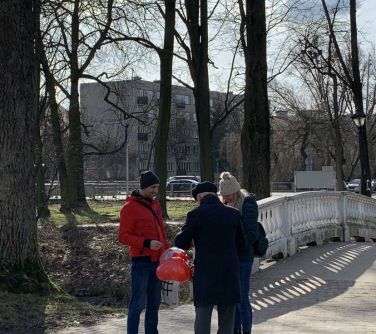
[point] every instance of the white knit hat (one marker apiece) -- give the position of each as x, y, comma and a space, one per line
228, 184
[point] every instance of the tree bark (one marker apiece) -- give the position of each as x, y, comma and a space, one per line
55, 120
338, 142
358, 101
76, 194
164, 115
76, 198
197, 24
20, 266
255, 136
41, 196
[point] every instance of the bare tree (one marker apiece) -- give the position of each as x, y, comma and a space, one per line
20, 266
255, 138
194, 15
164, 115
75, 33
351, 77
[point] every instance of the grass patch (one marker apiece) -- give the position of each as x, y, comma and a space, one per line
108, 211
99, 212
29, 313
178, 209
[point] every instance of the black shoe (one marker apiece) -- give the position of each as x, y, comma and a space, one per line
237, 331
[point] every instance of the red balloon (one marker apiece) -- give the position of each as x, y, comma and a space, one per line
174, 269
173, 252
182, 255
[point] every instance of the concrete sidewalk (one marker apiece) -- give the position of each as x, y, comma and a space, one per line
326, 289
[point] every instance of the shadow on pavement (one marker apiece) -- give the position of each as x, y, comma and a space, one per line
309, 277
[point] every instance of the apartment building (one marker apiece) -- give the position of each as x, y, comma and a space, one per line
122, 119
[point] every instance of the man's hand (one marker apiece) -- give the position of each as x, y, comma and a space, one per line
155, 244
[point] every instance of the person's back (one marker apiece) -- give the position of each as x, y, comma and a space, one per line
216, 260
217, 233
233, 196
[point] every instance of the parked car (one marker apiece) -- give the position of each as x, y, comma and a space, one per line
181, 185
54, 200
373, 185
184, 177
353, 185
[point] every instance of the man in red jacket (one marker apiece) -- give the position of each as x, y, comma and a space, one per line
142, 229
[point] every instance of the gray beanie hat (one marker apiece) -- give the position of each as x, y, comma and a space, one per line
228, 184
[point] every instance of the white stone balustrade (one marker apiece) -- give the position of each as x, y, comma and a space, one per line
296, 220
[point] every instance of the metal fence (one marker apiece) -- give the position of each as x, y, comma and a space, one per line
115, 190
118, 190
98, 188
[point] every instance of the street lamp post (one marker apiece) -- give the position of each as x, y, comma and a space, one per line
365, 180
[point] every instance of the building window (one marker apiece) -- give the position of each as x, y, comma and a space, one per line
195, 149
143, 165
195, 134
141, 148
180, 114
196, 166
150, 94
170, 166
187, 150
184, 166
143, 100
182, 99
143, 128
141, 136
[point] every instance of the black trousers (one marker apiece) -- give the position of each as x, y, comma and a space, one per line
226, 318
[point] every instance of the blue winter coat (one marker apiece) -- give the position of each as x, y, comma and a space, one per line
217, 234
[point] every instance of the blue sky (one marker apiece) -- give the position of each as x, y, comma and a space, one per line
366, 19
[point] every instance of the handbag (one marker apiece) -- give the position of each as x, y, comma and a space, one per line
261, 244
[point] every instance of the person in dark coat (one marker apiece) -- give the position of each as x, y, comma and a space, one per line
217, 234
238, 198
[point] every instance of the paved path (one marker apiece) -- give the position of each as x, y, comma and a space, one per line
326, 289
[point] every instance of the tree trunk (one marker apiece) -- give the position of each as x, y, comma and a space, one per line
41, 196
197, 16
58, 143
20, 266
255, 136
55, 117
358, 100
76, 193
76, 198
338, 142
164, 116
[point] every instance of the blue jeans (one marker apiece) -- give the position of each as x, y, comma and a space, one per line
146, 290
243, 315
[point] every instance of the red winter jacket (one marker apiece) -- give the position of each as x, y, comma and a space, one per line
138, 226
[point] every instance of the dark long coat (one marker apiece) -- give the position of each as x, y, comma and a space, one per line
218, 237
249, 217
